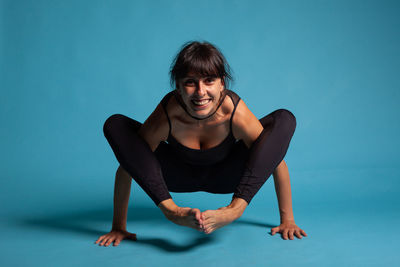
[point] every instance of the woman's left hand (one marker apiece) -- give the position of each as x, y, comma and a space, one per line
288, 230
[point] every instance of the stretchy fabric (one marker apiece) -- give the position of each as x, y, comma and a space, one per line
229, 167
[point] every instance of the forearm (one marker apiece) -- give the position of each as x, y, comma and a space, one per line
283, 192
122, 189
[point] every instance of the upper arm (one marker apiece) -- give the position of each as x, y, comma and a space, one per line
245, 125
155, 129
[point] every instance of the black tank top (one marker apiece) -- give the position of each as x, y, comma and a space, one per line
202, 156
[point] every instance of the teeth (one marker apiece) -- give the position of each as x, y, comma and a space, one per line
200, 103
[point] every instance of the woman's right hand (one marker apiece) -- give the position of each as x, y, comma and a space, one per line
115, 236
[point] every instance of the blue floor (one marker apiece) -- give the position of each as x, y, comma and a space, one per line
66, 66
351, 218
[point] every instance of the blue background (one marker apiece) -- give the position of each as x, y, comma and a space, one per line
66, 66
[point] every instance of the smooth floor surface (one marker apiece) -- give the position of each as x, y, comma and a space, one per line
351, 218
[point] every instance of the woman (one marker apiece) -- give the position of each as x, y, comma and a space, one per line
201, 137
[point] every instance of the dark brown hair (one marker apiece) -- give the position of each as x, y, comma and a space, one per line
202, 58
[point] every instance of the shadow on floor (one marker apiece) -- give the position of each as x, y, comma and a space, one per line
79, 222
254, 223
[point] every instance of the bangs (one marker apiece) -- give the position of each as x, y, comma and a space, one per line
199, 59
202, 65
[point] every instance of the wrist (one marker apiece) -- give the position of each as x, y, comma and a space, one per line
287, 220
118, 228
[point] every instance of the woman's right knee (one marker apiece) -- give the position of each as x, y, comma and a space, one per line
113, 123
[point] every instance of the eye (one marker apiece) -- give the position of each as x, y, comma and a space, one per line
209, 80
189, 82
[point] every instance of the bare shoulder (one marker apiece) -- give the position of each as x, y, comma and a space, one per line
155, 128
245, 125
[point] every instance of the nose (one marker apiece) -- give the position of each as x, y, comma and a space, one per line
201, 88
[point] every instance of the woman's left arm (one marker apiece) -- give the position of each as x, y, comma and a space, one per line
288, 227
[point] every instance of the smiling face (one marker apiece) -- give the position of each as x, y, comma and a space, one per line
201, 95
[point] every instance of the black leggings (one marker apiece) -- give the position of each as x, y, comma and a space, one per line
243, 172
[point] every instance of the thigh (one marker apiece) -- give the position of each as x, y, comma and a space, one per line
121, 133
226, 175
268, 120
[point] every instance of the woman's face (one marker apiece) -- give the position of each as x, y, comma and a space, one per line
200, 94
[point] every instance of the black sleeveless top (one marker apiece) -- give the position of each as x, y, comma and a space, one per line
201, 156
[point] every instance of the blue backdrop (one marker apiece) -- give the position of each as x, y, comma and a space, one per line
66, 66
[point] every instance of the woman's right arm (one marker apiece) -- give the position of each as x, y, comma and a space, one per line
155, 129
122, 191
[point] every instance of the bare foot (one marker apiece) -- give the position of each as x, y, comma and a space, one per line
214, 219
186, 217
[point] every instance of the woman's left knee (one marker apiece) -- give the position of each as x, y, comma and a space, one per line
287, 119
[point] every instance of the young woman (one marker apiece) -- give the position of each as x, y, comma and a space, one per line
201, 137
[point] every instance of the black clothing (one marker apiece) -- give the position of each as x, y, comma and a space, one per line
229, 167
201, 156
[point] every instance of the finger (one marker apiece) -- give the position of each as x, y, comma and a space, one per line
110, 240
285, 234
303, 233
274, 230
291, 237
298, 235
104, 241
116, 243
102, 237
99, 239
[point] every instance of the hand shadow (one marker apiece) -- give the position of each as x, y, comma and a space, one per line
80, 221
255, 223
